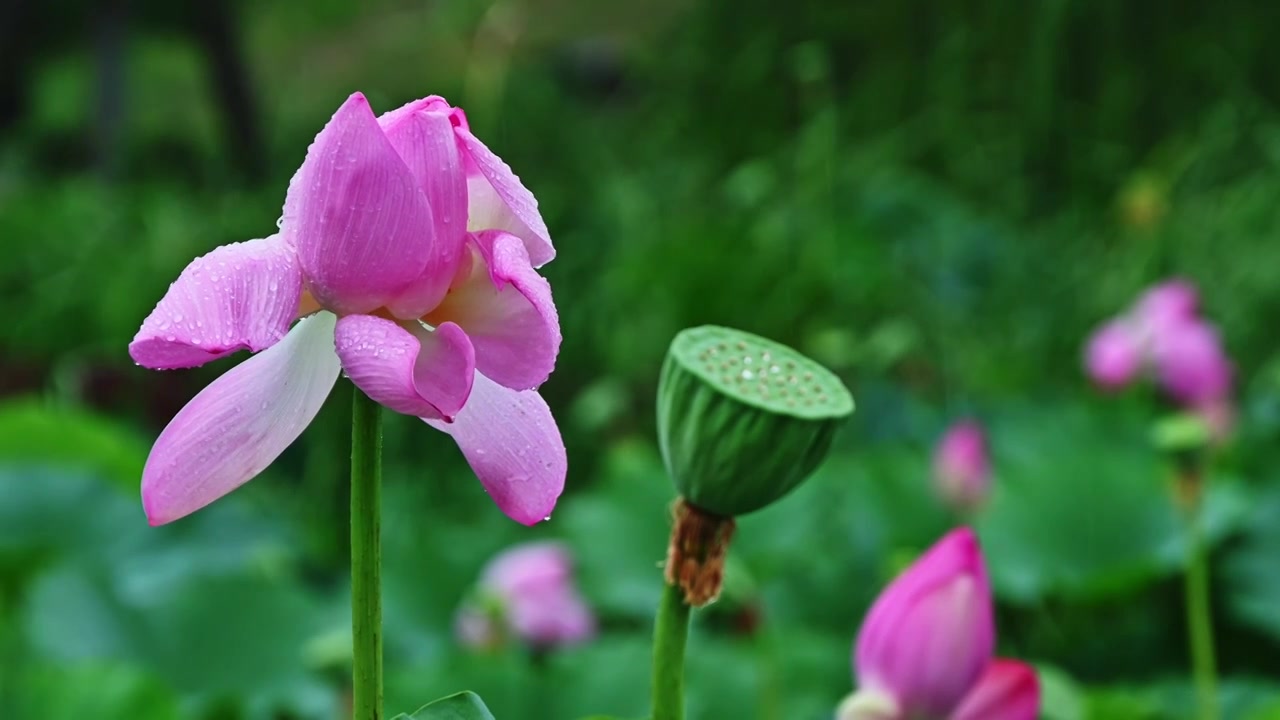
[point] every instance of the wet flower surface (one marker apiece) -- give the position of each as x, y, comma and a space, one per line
406, 257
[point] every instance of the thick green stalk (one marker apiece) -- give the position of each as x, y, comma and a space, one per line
1200, 619
366, 557
669, 636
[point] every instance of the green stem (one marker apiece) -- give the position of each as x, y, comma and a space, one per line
669, 636
768, 707
366, 557
1200, 619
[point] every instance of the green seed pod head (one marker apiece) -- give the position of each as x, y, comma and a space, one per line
743, 420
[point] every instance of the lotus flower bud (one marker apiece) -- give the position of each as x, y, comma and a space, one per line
1008, 690
930, 635
529, 591
743, 420
961, 468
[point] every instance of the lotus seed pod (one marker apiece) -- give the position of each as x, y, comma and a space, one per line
743, 420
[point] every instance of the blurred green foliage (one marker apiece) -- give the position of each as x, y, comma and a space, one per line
936, 200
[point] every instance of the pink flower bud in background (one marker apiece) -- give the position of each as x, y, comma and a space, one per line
1163, 337
961, 468
1190, 363
931, 633
1008, 690
533, 596
1113, 356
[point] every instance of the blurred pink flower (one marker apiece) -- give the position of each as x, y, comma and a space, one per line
1114, 354
1190, 363
961, 466
1163, 336
406, 255
1169, 302
531, 590
1007, 690
929, 636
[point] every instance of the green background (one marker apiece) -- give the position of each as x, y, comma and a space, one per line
937, 200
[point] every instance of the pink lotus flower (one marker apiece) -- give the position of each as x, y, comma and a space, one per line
529, 591
961, 467
1008, 690
406, 256
928, 637
1163, 336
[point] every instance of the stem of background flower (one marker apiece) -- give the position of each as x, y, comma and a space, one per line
767, 706
366, 557
1200, 618
669, 637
